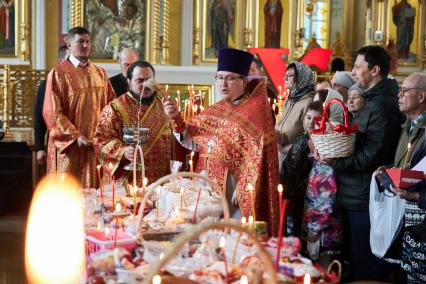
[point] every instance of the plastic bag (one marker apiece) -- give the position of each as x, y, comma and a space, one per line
386, 218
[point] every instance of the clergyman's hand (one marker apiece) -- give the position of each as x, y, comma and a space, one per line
82, 141
234, 198
41, 157
128, 153
170, 108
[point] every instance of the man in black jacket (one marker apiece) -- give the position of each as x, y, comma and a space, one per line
119, 82
39, 125
379, 124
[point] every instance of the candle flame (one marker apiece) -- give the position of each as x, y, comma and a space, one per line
251, 219
190, 162
409, 146
181, 190
118, 207
145, 181
178, 92
99, 225
280, 188
167, 88
98, 167
244, 280
243, 220
156, 279
161, 255
307, 279
192, 154
250, 187
107, 230
110, 166
222, 242
55, 210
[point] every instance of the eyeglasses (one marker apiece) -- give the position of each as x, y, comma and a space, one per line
227, 80
403, 90
287, 76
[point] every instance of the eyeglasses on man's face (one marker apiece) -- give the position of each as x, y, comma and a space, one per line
402, 92
227, 79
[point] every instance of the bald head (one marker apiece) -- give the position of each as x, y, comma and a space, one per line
126, 58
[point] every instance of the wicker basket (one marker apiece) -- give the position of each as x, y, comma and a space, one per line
151, 190
197, 231
334, 144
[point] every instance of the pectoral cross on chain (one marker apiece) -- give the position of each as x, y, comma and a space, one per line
211, 144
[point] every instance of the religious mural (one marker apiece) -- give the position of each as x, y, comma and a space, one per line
115, 24
273, 12
220, 26
403, 15
7, 27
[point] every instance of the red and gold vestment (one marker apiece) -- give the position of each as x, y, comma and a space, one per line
74, 99
240, 140
122, 113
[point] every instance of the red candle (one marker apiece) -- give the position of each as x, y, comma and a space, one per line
280, 194
280, 234
222, 246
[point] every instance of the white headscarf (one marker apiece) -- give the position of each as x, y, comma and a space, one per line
344, 78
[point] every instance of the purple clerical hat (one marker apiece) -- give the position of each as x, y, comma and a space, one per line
234, 60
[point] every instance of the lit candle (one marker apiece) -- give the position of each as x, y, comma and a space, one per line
243, 280
156, 279
181, 197
100, 182
243, 221
273, 108
406, 156
269, 101
44, 263
158, 201
250, 188
280, 195
280, 232
307, 279
117, 213
279, 92
178, 98
167, 91
184, 110
99, 225
250, 221
191, 166
222, 246
161, 255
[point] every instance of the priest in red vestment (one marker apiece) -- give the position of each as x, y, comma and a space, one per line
236, 140
76, 93
142, 102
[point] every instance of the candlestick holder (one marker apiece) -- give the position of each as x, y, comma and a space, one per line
135, 136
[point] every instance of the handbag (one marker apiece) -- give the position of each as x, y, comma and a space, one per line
413, 258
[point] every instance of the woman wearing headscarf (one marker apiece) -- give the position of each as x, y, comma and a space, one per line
300, 82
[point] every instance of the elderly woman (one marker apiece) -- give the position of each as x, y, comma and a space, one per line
300, 82
355, 99
341, 82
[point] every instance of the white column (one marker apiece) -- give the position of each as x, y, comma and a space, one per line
38, 33
187, 31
